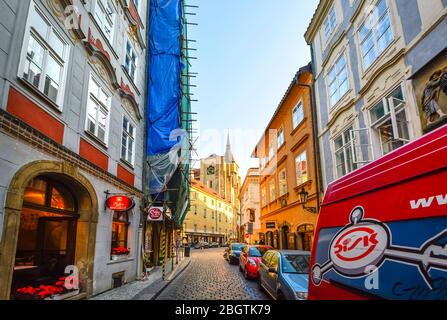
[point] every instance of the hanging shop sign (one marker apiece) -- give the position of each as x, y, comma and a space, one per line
155, 214
120, 203
270, 225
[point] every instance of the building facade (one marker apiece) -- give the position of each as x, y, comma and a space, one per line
288, 170
250, 207
221, 174
210, 218
72, 105
380, 77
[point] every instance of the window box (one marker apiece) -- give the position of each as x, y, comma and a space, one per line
64, 296
116, 257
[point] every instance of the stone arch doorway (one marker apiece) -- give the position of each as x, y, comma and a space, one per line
66, 177
305, 236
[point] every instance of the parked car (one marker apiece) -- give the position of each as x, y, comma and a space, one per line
214, 245
234, 251
389, 216
284, 274
201, 245
250, 258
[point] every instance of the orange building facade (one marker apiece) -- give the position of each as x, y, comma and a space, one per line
289, 171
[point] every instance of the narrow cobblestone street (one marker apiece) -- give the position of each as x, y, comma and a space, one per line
211, 277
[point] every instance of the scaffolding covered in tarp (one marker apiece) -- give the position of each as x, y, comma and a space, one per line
168, 108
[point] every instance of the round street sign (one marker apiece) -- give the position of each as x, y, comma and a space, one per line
120, 203
247, 236
155, 214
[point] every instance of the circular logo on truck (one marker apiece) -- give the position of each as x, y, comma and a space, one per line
357, 247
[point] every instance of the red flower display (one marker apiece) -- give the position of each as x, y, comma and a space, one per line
45, 291
120, 251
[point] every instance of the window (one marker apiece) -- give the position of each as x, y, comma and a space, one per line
104, 15
130, 63
263, 197
220, 217
204, 213
45, 58
204, 229
120, 226
375, 34
344, 154
338, 80
280, 137
97, 111
282, 177
330, 23
271, 152
272, 190
195, 210
301, 169
128, 141
212, 230
195, 228
297, 115
263, 162
389, 122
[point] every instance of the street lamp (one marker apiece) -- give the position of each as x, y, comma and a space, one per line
304, 196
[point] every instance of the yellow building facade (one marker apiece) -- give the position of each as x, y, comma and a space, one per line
210, 218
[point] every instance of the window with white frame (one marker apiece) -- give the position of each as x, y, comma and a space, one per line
45, 58
98, 107
130, 63
128, 141
389, 122
105, 17
280, 137
302, 175
330, 23
344, 153
375, 34
263, 197
272, 190
297, 115
282, 181
263, 162
337, 79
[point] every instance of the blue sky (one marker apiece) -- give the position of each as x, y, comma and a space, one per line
248, 53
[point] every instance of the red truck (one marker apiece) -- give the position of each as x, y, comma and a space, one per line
382, 229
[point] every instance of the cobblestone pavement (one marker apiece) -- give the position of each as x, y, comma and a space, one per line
211, 277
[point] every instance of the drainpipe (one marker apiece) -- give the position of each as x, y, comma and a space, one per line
316, 148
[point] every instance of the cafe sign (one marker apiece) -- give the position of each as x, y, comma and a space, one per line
120, 203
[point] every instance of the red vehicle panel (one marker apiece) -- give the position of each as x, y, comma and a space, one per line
382, 230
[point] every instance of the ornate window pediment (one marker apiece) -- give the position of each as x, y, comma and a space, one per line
95, 48
128, 96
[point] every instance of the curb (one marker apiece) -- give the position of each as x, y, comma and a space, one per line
169, 282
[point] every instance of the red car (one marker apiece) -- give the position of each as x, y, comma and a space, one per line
250, 258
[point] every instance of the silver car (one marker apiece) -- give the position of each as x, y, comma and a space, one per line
284, 274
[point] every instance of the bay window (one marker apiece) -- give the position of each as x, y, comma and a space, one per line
301, 168
344, 153
375, 34
337, 79
390, 123
128, 141
105, 17
45, 57
98, 107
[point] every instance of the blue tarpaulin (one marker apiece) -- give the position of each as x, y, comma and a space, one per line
164, 91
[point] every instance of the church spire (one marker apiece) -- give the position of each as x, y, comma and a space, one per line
228, 153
